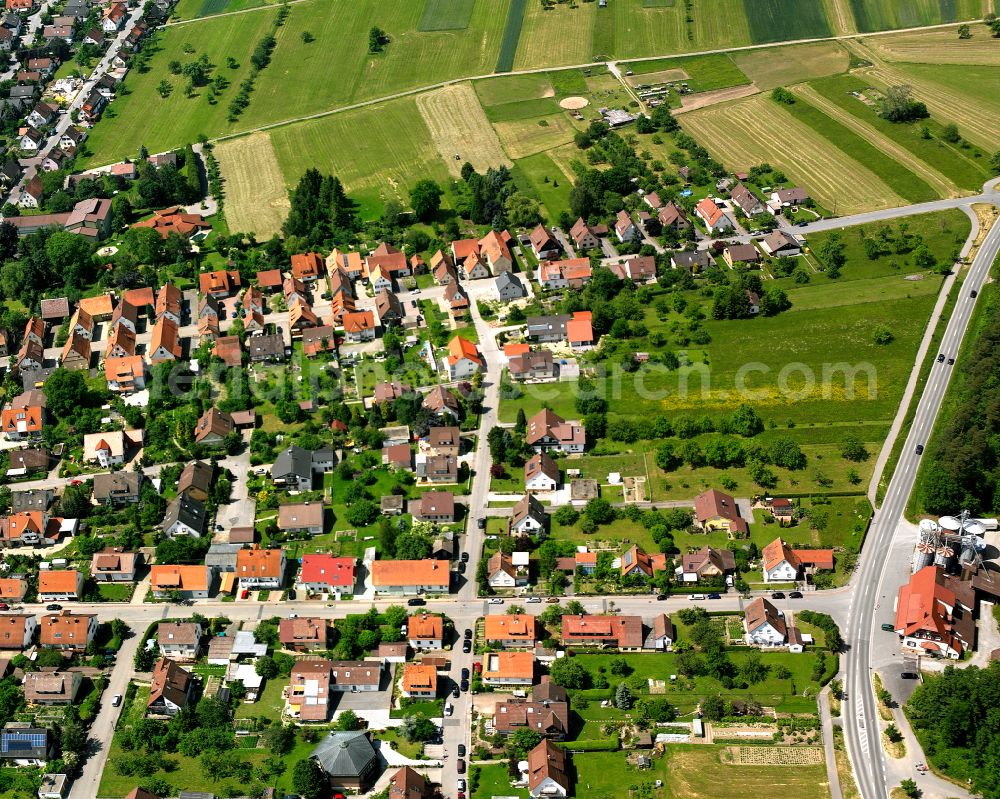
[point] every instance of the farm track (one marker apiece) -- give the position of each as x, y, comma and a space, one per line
833, 175
944, 186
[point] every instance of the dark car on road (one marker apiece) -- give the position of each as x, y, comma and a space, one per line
468, 632
467, 646
461, 766
920, 449
461, 750
715, 596
53, 606
454, 692
465, 674
415, 602
795, 595
908, 675
465, 557
465, 685
777, 595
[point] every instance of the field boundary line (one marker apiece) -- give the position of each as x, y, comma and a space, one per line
882, 142
266, 7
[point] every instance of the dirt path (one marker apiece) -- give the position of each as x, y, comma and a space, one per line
941, 184
705, 99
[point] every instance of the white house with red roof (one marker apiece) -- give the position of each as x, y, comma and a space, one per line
326, 574
932, 618
713, 216
463, 359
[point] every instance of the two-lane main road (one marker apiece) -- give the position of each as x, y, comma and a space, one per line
885, 558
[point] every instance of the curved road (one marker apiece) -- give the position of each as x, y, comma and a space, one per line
885, 559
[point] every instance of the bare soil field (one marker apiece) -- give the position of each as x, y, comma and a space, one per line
691, 102
256, 197
458, 126
939, 47
755, 129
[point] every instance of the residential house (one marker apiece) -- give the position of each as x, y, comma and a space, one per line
548, 717
176, 220
509, 287
442, 402
359, 326
572, 273
411, 576
196, 480
54, 310
117, 488
229, 350
548, 431
17, 630
301, 517
420, 681
541, 474
584, 237
436, 468
126, 315
425, 631
213, 427
22, 462
31, 195
694, 261
114, 565
390, 392
269, 347
165, 344
185, 516
35, 529
304, 634
495, 251
626, 229
746, 201
260, 569
326, 574
528, 517
444, 441
185, 582
25, 745
621, 632
636, 563
293, 469
76, 353
538, 365
67, 631
389, 260
349, 261
42, 114
179, 640
638, 269
783, 510
500, 572
780, 199
308, 267
388, 309
13, 589
781, 564
673, 216
932, 618
62, 585
170, 690
111, 447
294, 291
24, 420
543, 244
508, 669
780, 244
714, 510
434, 506
764, 624
745, 254
713, 216
398, 456
663, 633
706, 563
510, 631
463, 359
316, 340
169, 303
51, 688
301, 317
348, 759
580, 331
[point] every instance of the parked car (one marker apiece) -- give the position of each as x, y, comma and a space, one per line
449, 708
481, 524
795, 595
661, 597
777, 595
53, 606
496, 601
909, 675
465, 557
532, 599
695, 597
461, 750
889, 628
116, 700
465, 674
416, 601
468, 632
465, 685
461, 785
551, 600
715, 596
467, 646
4, 606
245, 594
290, 593
454, 692
461, 766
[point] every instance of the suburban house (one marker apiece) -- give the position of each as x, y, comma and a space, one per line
434, 506
573, 273
308, 267
463, 359
301, 517
932, 618
509, 287
580, 331
714, 510
781, 564
185, 516
165, 345
185, 582
500, 572
26, 422
13, 589
348, 759
425, 631
780, 199
543, 244
64, 585
547, 713
713, 216
736, 254
671, 215
707, 562
509, 669
411, 576
511, 631
213, 427
76, 353
389, 259
260, 569
636, 563
326, 574
444, 441
219, 284
746, 201
52, 688
442, 402
117, 488
170, 690
266, 348
359, 326
420, 681
779, 243
35, 528
67, 631
494, 248
548, 772
528, 516
304, 634
293, 469
17, 631
25, 745
621, 632
388, 309
529, 365
110, 448
764, 624
663, 633
179, 640
638, 269
196, 480
546, 329
584, 236
114, 565
547, 431
541, 474
625, 228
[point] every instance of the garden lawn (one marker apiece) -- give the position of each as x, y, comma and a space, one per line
539, 177
111, 592
269, 703
495, 781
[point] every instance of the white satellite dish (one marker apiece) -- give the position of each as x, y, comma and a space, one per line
950, 523
975, 528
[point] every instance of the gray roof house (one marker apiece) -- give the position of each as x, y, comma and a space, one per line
36, 499
222, 557
20, 741
348, 758
293, 469
185, 516
509, 286
117, 488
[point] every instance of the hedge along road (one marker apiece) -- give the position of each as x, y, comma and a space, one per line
532, 71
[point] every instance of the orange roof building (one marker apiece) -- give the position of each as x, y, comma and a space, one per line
61, 584
425, 631
513, 630
411, 576
509, 668
175, 220
220, 283
930, 618
191, 581
259, 568
307, 267
66, 630
419, 680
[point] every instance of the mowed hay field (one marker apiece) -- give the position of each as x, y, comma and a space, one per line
557, 37
756, 129
458, 127
880, 15
378, 152
256, 195
939, 47
523, 137
783, 66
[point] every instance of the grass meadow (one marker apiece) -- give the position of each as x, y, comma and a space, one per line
878, 15
794, 63
785, 20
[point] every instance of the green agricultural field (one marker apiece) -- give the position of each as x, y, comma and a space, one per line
782, 66
511, 36
966, 167
629, 28
902, 180
704, 72
191, 9
395, 152
513, 89
785, 20
446, 15
530, 175
877, 15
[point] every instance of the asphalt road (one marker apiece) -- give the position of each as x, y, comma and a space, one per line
885, 561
